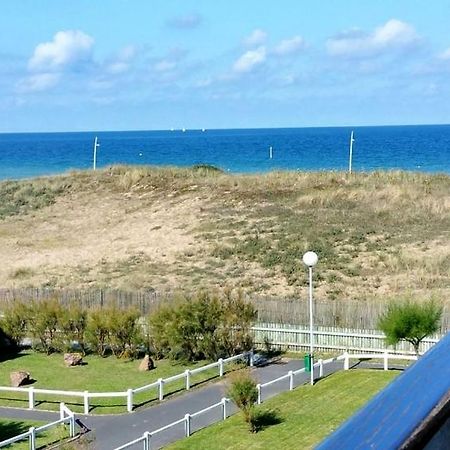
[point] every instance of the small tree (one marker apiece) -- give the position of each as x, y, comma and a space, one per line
243, 391
410, 321
14, 321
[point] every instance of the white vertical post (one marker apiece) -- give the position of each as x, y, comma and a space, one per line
86, 402
32, 438
130, 400
258, 387
160, 388
320, 368
187, 374
72, 426
346, 361
224, 408
96, 144
61, 411
250, 359
187, 425
31, 397
147, 442
386, 361
291, 380
311, 326
351, 154
220, 361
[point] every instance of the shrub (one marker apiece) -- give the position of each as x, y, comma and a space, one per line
44, 320
243, 391
14, 321
206, 326
124, 332
410, 321
97, 330
72, 325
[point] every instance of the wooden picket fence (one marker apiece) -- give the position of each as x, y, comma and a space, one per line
296, 338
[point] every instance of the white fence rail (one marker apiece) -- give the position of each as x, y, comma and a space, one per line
129, 393
66, 417
146, 438
295, 337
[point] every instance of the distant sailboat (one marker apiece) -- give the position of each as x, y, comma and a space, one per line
183, 130
203, 129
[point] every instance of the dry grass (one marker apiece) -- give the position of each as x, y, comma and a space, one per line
376, 234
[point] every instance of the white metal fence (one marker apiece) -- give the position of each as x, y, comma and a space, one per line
147, 438
129, 393
295, 337
66, 417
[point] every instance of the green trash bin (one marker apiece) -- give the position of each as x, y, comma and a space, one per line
307, 362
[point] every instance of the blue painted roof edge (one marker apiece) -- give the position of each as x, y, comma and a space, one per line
388, 420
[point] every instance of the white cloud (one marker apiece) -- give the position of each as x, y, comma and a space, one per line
445, 55
290, 46
122, 61
249, 60
393, 35
38, 82
66, 48
165, 65
256, 38
187, 21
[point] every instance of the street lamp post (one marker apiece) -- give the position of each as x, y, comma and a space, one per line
310, 259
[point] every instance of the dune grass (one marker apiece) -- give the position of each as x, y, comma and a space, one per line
97, 375
376, 234
297, 419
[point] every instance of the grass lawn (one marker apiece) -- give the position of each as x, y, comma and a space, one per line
98, 375
300, 419
11, 428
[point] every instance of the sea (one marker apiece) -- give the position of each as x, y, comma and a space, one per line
424, 148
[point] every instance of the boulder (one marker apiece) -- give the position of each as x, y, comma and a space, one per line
73, 359
19, 378
146, 364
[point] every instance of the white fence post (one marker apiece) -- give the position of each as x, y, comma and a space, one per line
161, 388
258, 387
147, 442
224, 408
220, 361
188, 379
86, 402
31, 397
61, 411
291, 380
130, 400
346, 361
32, 438
187, 425
320, 368
386, 361
72, 426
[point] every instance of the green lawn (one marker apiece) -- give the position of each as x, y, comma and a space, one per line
98, 375
300, 419
11, 428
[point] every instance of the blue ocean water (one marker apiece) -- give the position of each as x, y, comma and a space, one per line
418, 148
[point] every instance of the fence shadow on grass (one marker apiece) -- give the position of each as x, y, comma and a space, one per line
11, 428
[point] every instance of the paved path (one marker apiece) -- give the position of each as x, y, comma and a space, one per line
112, 431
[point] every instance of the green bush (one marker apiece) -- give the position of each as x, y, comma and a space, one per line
14, 321
205, 326
243, 391
410, 321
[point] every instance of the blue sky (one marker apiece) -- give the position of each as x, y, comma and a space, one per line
150, 64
